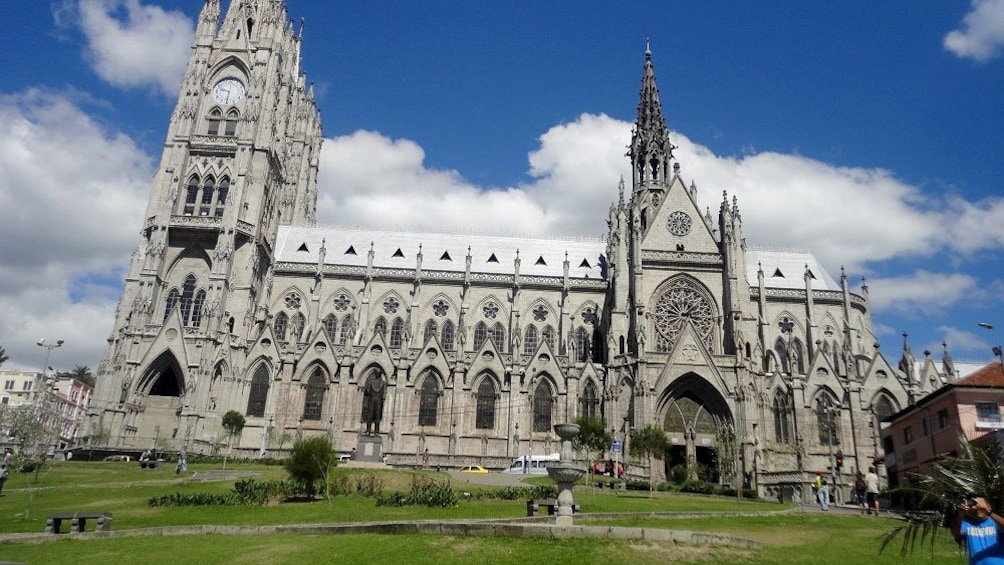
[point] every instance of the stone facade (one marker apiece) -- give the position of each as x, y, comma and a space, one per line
467, 348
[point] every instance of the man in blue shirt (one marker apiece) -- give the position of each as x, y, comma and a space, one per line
980, 528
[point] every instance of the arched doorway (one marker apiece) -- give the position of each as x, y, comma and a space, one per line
163, 384
694, 416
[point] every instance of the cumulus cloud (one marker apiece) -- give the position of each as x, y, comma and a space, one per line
134, 45
922, 292
981, 35
961, 343
72, 195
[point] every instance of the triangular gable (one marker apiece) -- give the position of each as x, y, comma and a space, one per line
376, 352
265, 346
319, 350
684, 210
487, 359
689, 355
171, 337
543, 362
433, 357
880, 375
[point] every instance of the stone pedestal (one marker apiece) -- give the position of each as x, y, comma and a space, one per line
369, 448
565, 473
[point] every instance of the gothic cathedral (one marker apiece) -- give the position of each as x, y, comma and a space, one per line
457, 349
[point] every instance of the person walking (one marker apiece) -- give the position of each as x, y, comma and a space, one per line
822, 491
3, 477
860, 490
979, 528
872, 490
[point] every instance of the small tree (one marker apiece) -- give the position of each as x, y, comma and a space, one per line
35, 428
308, 462
593, 437
233, 424
650, 443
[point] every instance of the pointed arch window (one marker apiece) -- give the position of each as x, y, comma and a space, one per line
485, 419
313, 400
279, 327
530, 340
448, 335
498, 336
380, 326
782, 355
191, 195
589, 403
828, 420
173, 298
798, 356
187, 297
397, 333
480, 335
296, 328
215, 117
581, 345
543, 403
346, 331
428, 401
231, 125
206, 203
221, 196
548, 335
330, 327
200, 301
430, 330
258, 394
782, 418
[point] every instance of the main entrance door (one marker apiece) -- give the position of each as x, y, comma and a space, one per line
694, 412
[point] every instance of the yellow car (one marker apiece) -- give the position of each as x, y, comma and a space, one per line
473, 469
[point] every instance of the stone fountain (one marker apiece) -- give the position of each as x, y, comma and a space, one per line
565, 473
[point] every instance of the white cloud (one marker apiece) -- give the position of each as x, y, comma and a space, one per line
133, 45
962, 344
72, 195
981, 34
921, 292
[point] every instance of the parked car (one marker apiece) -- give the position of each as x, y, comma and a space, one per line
344, 458
473, 469
118, 458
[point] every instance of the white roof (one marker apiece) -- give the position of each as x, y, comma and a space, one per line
786, 269
441, 252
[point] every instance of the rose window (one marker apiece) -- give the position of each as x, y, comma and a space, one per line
679, 223
440, 308
292, 301
680, 303
391, 305
490, 310
540, 313
341, 303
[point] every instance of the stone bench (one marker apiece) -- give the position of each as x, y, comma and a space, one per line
78, 521
533, 507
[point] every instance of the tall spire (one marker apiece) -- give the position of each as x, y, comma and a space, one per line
650, 121
651, 149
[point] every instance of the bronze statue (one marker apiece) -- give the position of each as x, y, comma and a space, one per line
373, 395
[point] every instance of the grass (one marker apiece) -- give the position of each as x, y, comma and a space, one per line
124, 490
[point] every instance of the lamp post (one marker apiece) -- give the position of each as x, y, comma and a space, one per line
49, 346
996, 348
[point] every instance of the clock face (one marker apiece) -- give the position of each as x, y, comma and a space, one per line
228, 91
679, 223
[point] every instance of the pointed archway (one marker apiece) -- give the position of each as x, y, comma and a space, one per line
163, 385
693, 414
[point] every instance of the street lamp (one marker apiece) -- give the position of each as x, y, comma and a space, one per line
48, 353
996, 348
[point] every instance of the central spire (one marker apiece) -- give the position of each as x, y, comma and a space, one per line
650, 120
651, 149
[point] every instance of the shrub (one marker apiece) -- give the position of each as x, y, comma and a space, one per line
424, 492
516, 493
369, 485
246, 492
308, 462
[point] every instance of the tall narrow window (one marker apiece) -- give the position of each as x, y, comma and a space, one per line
428, 401
231, 125
200, 300
530, 340
281, 321
429, 332
480, 335
380, 326
588, 402
215, 117
396, 333
258, 393
221, 196
207, 196
313, 400
346, 330
581, 345
782, 354
485, 419
782, 418
187, 297
448, 331
547, 334
330, 328
828, 420
799, 356
296, 328
542, 406
173, 298
191, 196
498, 336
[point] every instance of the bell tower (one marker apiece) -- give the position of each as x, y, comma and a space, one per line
240, 159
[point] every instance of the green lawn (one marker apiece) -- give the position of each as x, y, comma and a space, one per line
124, 489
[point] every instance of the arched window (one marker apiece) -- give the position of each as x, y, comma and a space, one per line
296, 328
396, 333
428, 401
215, 117
173, 298
279, 327
828, 420
485, 419
346, 331
543, 402
581, 345
480, 335
380, 326
191, 196
187, 297
231, 125
313, 400
547, 334
799, 353
200, 300
681, 302
883, 408
221, 196
430, 330
782, 354
530, 340
207, 196
782, 418
448, 332
589, 403
330, 327
258, 393
498, 336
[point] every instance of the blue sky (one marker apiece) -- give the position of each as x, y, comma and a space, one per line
866, 132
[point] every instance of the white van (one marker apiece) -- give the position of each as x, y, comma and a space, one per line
532, 464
